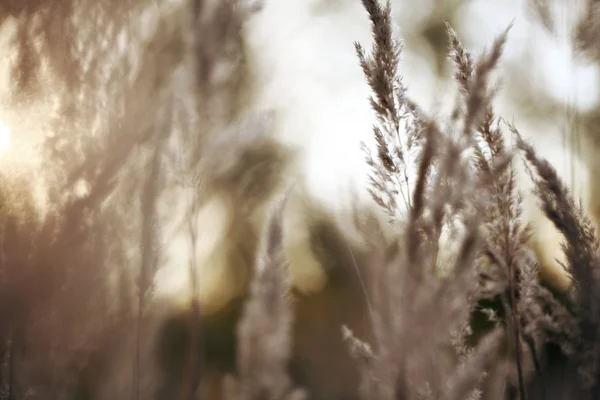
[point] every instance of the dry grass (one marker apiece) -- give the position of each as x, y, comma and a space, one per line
398, 319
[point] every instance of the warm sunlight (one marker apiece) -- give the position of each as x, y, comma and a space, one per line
4, 137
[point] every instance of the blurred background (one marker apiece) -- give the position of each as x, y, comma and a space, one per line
550, 90
549, 68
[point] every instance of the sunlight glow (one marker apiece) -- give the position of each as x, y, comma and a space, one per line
4, 137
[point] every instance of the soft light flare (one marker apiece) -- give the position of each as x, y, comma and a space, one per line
4, 137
